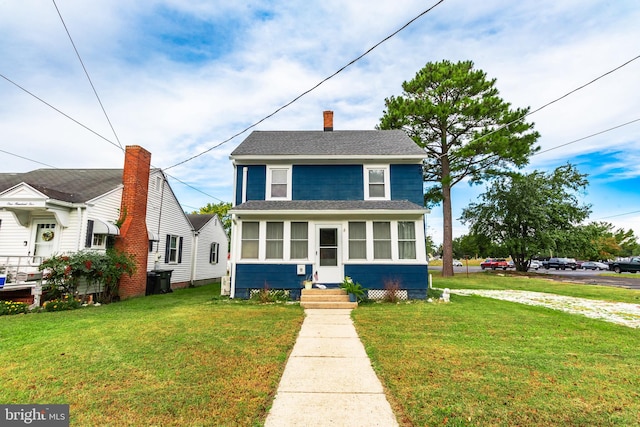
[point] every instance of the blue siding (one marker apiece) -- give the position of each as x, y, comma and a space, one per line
406, 183
413, 278
256, 182
274, 276
327, 182
238, 190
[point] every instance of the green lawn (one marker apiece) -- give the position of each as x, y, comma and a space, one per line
536, 283
175, 359
188, 358
484, 362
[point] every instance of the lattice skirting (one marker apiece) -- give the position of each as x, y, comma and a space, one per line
286, 292
382, 293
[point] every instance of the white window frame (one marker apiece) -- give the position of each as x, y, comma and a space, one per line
387, 189
270, 170
214, 253
99, 241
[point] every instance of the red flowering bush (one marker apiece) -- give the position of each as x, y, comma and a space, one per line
97, 271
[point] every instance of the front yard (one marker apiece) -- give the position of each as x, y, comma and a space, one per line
187, 358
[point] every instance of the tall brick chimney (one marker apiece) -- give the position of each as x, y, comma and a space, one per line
133, 237
328, 121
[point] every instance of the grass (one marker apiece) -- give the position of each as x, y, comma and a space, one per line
484, 362
177, 359
520, 281
192, 358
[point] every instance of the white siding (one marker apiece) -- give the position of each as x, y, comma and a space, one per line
13, 236
211, 232
165, 216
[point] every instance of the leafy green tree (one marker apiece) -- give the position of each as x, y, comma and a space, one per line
467, 131
531, 214
222, 210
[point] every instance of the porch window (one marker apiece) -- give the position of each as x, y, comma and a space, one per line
250, 234
214, 253
381, 240
357, 240
299, 240
406, 240
275, 237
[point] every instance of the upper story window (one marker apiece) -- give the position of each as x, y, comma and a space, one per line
376, 182
279, 182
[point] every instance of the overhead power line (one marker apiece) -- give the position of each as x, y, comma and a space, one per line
586, 137
87, 74
557, 99
311, 89
59, 111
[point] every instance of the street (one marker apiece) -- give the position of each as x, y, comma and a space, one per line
587, 277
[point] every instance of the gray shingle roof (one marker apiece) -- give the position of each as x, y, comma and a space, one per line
318, 205
321, 143
199, 220
68, 185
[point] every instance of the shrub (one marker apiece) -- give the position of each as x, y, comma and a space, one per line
266, 295
12, 307
392, 290
64, 303
63, 273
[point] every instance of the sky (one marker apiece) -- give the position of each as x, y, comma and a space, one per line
181, 77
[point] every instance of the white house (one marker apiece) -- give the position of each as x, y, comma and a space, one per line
55, 211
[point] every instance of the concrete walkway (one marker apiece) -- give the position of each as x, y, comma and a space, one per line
328, 379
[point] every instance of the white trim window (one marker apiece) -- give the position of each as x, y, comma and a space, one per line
299, 240
357, 240
250, 240
173, 249
406, 240
275, 240
214, 253
278, 183
376, 183
381, 240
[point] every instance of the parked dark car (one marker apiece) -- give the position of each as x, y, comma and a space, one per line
560, 263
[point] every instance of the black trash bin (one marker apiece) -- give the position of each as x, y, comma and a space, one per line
158, 282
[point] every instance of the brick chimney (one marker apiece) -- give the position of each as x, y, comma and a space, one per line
328, 121
133, 237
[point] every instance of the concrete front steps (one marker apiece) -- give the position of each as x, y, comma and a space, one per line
325, 298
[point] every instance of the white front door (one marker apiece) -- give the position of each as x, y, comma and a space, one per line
328, 266
46, 236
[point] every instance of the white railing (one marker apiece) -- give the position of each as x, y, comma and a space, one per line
20, 269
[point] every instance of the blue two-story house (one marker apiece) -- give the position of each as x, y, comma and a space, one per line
322, 205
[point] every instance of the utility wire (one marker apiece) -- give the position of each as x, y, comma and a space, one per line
192, 187
64, 114
557, 99
87, 74
617, 215
28, 159
311, 89
585, 137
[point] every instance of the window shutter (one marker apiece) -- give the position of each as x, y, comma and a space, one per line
167, 247
89, 239
180, 251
